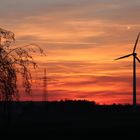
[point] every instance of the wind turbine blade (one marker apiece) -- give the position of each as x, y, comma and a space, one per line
138, 59
136, 43
123, 56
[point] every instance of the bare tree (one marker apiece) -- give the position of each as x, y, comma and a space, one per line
15, 61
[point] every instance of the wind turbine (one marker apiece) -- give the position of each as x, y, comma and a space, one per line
134, 54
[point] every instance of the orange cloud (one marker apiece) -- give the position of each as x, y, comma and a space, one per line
82, 39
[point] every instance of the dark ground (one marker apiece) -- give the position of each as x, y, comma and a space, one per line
69, 119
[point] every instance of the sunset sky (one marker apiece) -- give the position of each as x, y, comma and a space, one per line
82, 38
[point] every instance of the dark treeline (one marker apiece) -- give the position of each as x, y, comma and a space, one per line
69, 105
66, 108
70, 118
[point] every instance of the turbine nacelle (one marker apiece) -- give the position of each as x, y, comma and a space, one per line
135, 54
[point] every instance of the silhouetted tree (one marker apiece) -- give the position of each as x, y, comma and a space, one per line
14, 61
